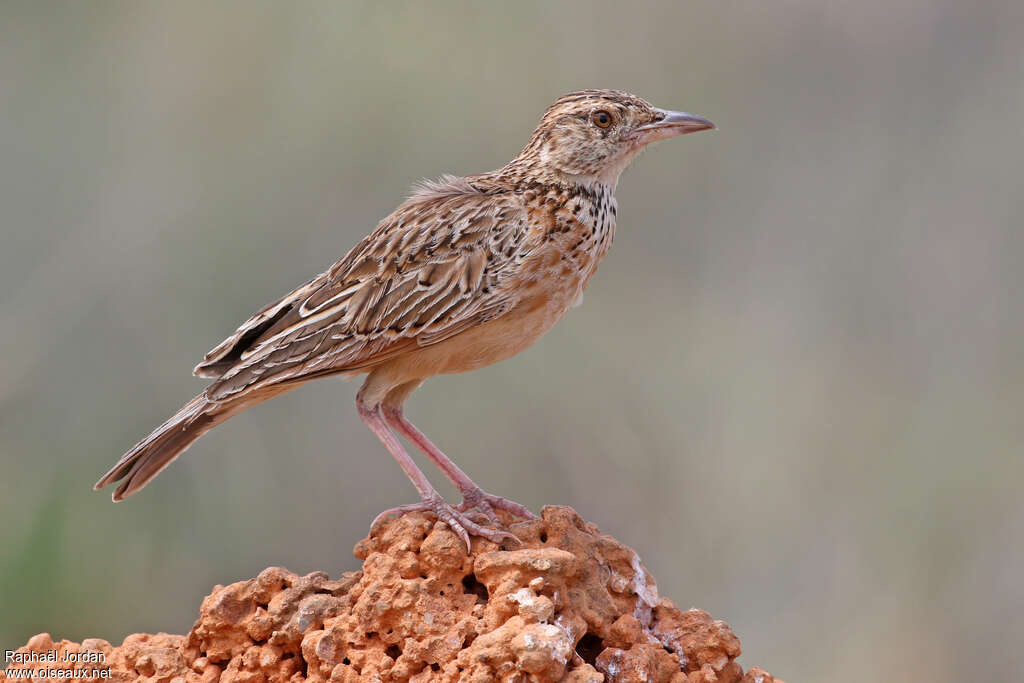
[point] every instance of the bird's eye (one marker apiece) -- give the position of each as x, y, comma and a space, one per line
601, 118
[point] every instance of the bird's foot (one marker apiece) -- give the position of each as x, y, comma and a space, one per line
486, 503
456, 519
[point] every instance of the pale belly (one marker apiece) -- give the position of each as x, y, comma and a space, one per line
479, 346
502, 338
491, 342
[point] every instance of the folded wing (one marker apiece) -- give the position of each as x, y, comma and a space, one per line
441, 263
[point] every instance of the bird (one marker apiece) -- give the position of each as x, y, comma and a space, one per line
466, 272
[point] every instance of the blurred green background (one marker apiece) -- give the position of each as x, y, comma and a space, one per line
795, 386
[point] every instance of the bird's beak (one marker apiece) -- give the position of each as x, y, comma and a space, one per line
673, 123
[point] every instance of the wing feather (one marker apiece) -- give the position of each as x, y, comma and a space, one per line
444, 261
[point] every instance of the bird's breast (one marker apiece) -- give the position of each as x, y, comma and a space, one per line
579, 233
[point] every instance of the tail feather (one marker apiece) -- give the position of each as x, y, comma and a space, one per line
151, 455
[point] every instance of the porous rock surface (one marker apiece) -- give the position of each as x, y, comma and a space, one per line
569, 604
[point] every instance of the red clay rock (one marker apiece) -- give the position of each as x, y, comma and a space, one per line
569, 604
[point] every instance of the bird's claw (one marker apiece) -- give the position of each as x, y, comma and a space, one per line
455, 518
398, 512
487, 504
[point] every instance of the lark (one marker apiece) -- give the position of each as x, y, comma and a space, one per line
465, 273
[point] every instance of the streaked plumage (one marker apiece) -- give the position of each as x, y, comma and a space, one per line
466, 272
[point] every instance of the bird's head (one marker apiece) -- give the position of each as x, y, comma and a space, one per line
591, 136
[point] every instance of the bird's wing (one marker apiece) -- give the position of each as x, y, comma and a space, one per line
227, 353
444, 261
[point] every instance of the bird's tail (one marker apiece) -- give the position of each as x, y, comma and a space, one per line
151, 455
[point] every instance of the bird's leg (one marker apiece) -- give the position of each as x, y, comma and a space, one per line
431, 499
472, 495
